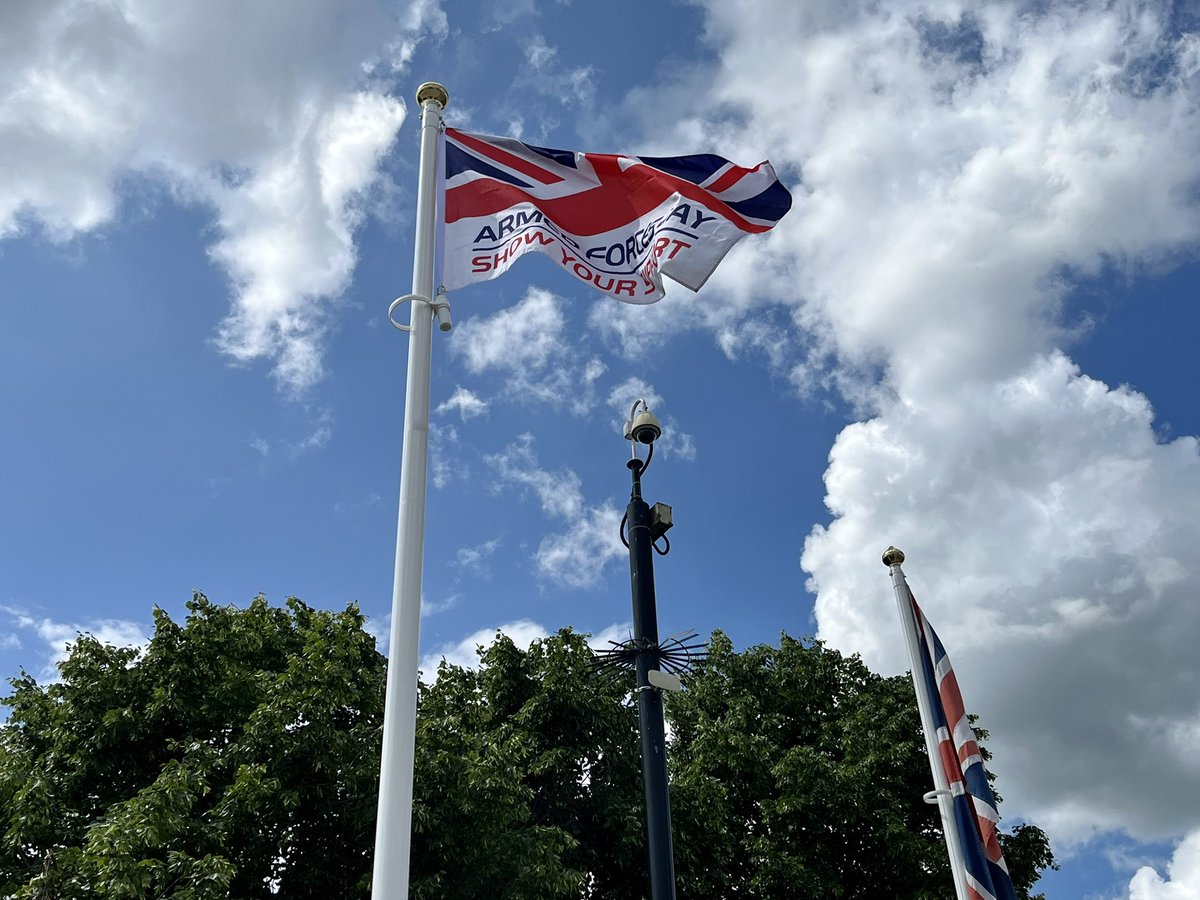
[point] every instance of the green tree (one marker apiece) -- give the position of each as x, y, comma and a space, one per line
237, 756
233, 757
528, 779
797, 772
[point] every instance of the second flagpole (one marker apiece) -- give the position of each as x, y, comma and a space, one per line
892, 558
393, 824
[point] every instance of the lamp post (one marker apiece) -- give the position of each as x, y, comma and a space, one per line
658, 663
646, 525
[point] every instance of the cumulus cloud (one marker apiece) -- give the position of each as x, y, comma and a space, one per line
950, 163
1051, 540
617, 633
249, 110
288, 233
522, 632
1183, 875
465, 653
956, 167
952, 166
525, 337
527, 345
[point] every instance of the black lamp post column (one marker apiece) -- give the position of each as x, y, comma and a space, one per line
642, 526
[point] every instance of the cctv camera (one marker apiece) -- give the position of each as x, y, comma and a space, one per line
645, 429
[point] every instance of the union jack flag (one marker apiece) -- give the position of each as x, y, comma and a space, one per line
975, 817
616, 222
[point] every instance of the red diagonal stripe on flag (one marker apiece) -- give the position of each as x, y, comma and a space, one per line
730, 178
952, 700
483, 148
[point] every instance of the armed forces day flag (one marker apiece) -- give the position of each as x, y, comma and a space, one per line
618, 223
975, 817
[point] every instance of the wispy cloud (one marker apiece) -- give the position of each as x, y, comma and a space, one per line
475, 559
445, 465
433, 607
574, 555
465, 403
577, 556
319, 434
558, 492
55, 636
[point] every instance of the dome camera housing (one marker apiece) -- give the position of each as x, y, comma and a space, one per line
645, 429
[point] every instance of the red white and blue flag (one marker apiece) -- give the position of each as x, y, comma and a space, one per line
975, 815
618, 223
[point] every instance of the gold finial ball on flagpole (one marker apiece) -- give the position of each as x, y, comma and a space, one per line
431, 90
892, 557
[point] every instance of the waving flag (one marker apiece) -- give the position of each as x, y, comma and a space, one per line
618, 223
975, 815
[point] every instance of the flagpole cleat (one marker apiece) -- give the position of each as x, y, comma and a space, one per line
892, 557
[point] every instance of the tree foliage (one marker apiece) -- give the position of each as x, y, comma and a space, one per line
228, 759
237, 756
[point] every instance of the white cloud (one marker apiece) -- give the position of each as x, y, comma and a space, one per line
465, 653
443, 468
1051, 539
636, 331
288, 233
538, 53
578, 556
366, 501
558, 492
519, 339
433, 607
1183, 875
250, 110
320, 434
617, 633
381, 630
465, 402
475, 559
955, 166
946, 192
56, 636
527, 344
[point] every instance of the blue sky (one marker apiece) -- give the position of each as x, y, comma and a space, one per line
972, 337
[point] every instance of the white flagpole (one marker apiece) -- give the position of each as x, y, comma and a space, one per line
892, 558
393, 825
